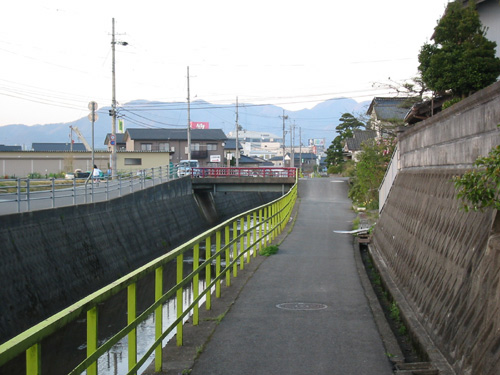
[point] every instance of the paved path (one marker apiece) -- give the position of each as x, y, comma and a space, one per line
314, 266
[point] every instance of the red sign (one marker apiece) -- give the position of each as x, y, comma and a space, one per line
199, 125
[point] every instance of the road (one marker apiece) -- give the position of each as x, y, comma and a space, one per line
304, 310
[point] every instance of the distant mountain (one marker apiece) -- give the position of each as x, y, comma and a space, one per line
318, 122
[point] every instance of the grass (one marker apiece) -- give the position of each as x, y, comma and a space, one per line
270, 250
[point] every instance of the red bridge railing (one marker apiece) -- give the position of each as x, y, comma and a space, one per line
243, 172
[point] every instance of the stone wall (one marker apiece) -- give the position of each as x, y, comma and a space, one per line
446, 262
52, 258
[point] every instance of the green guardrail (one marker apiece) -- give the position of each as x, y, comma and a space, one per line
263, 224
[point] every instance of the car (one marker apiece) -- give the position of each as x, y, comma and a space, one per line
185, 167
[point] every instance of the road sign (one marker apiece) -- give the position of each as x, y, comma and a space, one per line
93, 106
93, 117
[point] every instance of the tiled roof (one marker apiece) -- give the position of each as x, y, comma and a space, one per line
360, 136
57, 147
388, 108
230, 144
10, 148
175, 134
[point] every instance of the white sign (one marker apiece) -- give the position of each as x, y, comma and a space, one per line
215, 158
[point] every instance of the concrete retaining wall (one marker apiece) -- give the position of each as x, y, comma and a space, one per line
445, 261
52, 258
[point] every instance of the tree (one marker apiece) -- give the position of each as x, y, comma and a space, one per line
479, 188
348, 123
370, 170
461, 59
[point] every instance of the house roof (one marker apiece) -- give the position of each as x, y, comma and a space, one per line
248, 160
230, 144
120, 138
360, 136
57, 147
174, 134
426, 109
388, 108
10, 148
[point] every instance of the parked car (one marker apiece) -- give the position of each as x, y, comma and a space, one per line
184, 168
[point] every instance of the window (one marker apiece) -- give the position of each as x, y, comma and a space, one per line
164, 146
211, 146
146, 146
133, 161
195, 147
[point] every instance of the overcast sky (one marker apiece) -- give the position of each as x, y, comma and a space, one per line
56, 54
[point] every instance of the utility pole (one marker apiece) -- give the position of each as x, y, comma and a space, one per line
113, 102
300, 150
113, 105
189, 119
284, 117
237, 153
292, 154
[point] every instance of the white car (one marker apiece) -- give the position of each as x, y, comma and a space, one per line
185, 167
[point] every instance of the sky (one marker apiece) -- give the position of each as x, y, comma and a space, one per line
56, 55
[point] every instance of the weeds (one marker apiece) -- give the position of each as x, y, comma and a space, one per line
270, 250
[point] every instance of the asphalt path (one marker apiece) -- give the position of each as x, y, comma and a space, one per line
304, 310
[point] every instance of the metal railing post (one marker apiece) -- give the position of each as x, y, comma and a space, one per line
180, 264
28, 193
158, 317
153, 175
228, 259
34, 360
235, 248
196, 282
208, 271
92, 342
53, 192
131, 315
217, 263
74, 191
18, 195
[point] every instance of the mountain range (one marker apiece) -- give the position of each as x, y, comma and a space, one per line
317, 122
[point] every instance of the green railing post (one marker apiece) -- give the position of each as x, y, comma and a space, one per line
180, 261
92, 338
196, 282
217, 263
208, 272
260, 229
242, 244
34, 360
235, 247
265, 223
248, 237
228, 260
158, 317
131, 315
254, 239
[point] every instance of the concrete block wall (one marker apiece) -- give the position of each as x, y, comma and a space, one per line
52, 258
445, 261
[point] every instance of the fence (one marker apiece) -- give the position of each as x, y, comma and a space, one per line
24, 194
257, 228
243, 172
390, 175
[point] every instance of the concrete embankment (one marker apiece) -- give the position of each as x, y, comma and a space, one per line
52, 258
446, 262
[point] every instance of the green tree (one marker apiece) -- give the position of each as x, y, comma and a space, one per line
479, 189
370, 170
334, 153
461, 59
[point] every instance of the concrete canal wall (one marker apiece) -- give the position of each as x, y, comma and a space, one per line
52, 258
446, 261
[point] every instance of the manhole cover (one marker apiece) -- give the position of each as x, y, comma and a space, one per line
301, 306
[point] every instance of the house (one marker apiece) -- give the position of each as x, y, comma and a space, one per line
206, 144
388, 113
47, 147
353, 145
230, 149
120, 143
10, 148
